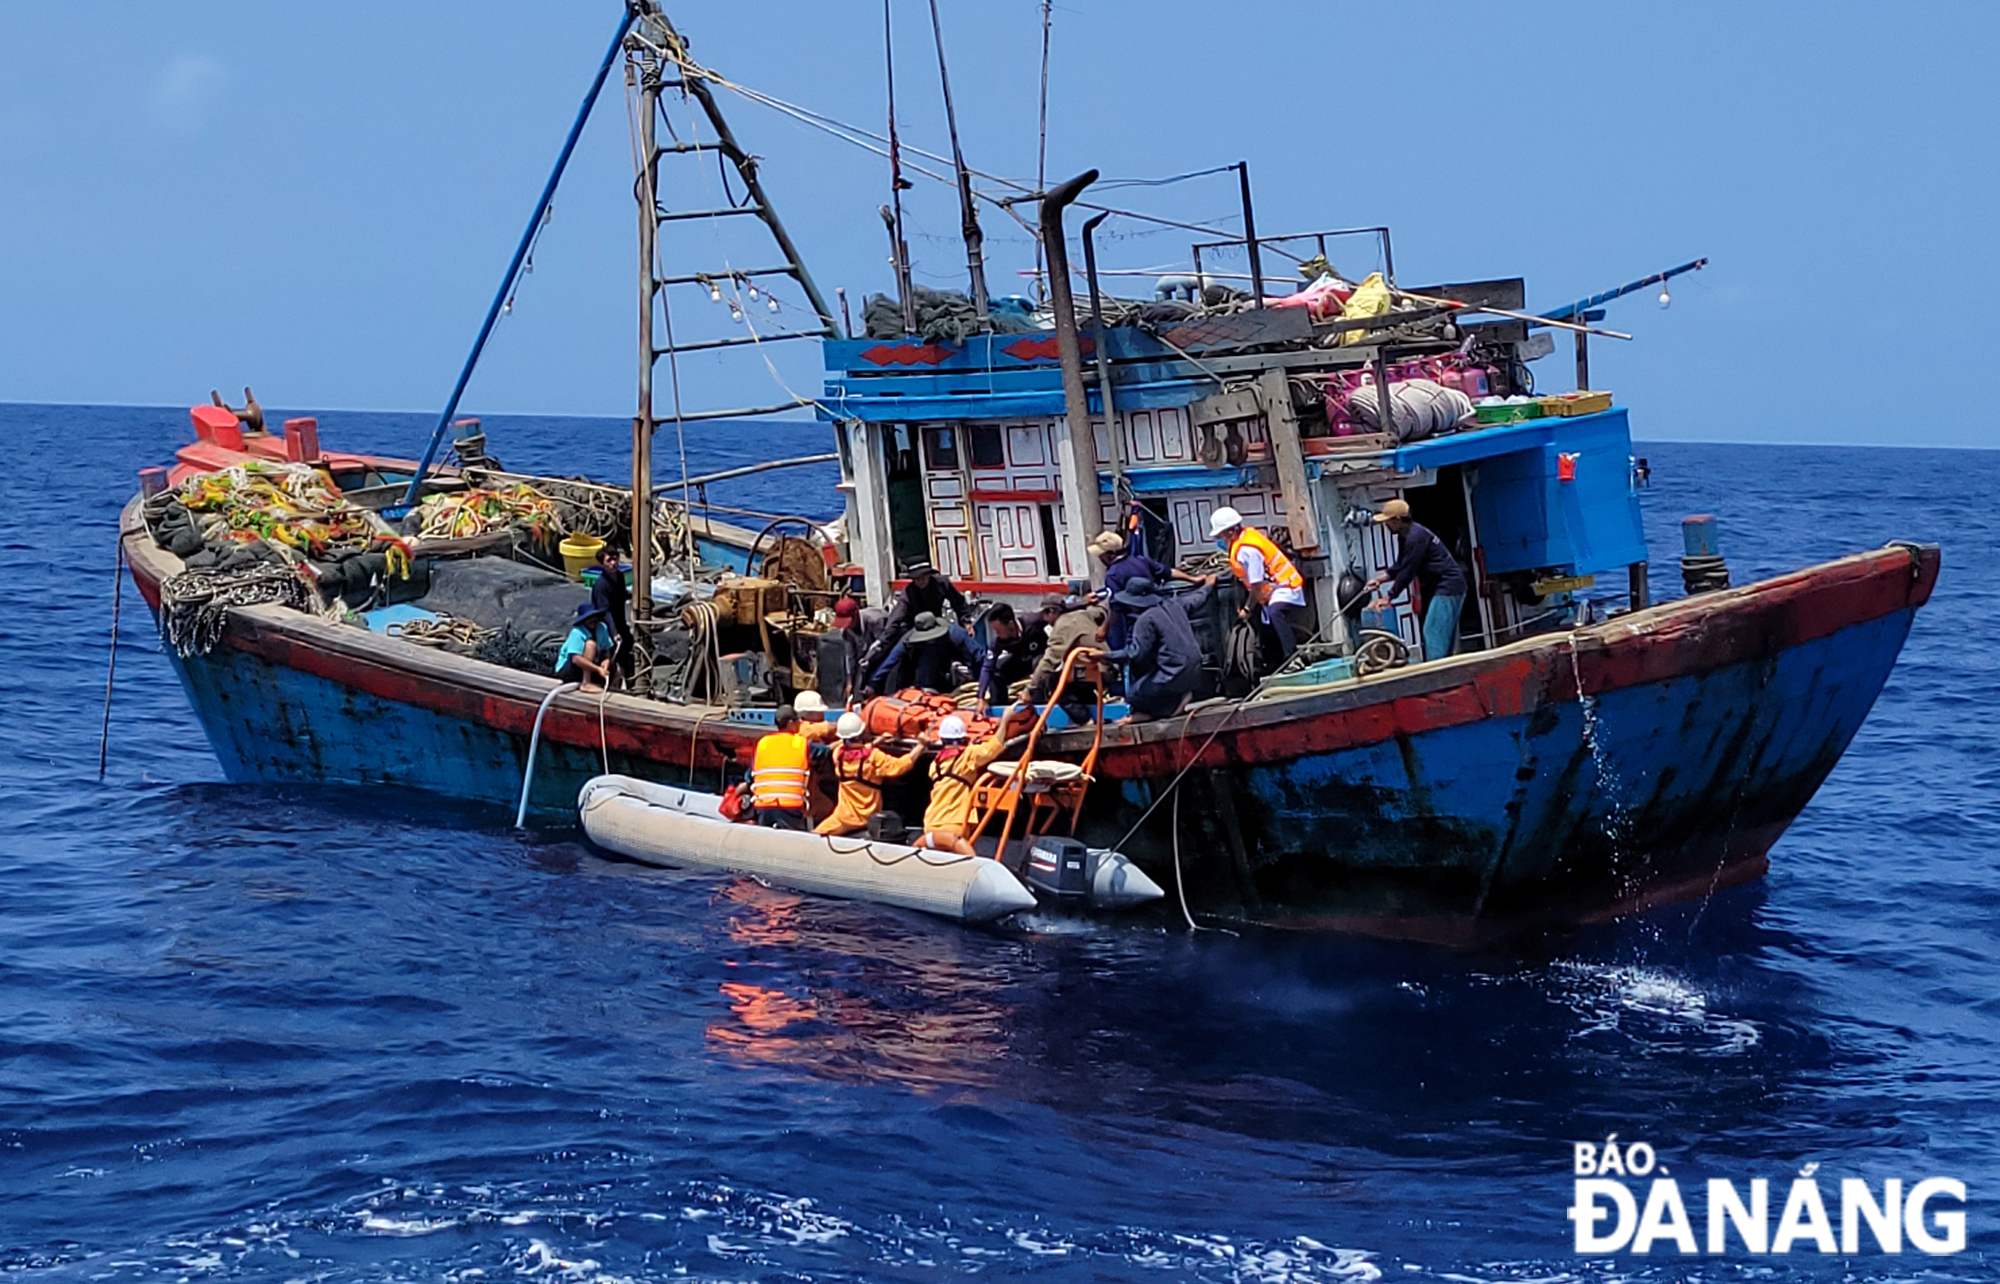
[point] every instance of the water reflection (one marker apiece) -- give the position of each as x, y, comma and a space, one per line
876, 1007
1378, 1046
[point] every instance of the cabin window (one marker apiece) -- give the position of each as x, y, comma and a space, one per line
988, 447
941, 449
1051, 550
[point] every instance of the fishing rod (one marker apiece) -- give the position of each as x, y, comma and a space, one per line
1596, 300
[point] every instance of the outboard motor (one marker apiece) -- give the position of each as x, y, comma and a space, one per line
1060, 867
886, 826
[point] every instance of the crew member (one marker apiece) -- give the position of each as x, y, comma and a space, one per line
1013, 646
779, 773
1073, 623
860, 768
954, 773
812, 717
1425, 559
1163, 659
1273, 582
854, 642
1123, 564
926, 591
610, 596
925, 656
586, 653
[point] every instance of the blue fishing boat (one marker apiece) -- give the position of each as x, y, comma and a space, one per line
1580, 751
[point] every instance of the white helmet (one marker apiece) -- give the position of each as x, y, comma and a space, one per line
1222, 519
808, 702
952, 728
850, 726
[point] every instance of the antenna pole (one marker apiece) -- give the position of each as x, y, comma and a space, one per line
968, 215
1250, 238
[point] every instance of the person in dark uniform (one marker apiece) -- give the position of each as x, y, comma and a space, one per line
1122, 565
1437, 573
1162, 660
610, 596
1013, 647
926, 591
925, 657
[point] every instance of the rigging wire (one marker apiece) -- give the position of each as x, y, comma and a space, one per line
740, 307
1042, 150
1104, 184
870, 141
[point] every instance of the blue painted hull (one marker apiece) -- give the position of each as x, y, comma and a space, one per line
1568, 778
1576, 810
269, 723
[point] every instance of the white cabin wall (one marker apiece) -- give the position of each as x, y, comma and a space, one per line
870, 501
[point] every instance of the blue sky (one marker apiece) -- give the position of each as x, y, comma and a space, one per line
319, 199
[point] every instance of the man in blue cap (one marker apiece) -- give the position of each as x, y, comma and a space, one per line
1162, 659
585, 658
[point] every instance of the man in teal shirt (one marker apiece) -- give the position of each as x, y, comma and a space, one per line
585, 658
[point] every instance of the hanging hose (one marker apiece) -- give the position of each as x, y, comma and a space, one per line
534, 741
1180, 887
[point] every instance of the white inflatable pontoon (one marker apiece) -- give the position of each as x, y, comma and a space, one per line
664, 825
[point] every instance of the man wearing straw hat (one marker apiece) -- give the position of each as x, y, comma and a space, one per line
925, 656
927, 591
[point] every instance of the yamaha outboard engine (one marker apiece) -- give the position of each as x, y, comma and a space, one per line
1060, 867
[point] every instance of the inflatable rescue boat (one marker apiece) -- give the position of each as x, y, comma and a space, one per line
684, 828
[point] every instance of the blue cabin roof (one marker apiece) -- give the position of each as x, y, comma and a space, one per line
1528, 516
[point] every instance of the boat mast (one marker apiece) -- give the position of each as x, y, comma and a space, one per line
657, 60
648, 68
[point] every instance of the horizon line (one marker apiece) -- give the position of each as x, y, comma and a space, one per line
626, 420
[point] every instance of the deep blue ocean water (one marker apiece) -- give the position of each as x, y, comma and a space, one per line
331, 1035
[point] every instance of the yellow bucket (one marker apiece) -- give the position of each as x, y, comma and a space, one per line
579, 554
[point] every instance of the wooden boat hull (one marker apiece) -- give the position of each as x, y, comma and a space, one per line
1562, 778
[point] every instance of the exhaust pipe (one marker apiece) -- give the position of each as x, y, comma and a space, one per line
1089, 519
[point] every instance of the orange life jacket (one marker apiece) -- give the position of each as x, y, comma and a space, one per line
778, 774
1278, 568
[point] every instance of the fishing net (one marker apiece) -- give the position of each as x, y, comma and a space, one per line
515, 506
194, 605
292, 505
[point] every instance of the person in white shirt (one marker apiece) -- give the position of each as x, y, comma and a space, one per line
1272, 581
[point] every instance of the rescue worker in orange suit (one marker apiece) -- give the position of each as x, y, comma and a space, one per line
778, 774
954, 772
813, 725
1273, 582
859, 769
